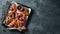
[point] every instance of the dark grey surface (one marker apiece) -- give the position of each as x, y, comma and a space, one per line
45, 18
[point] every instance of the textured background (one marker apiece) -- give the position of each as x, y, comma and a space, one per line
45, 18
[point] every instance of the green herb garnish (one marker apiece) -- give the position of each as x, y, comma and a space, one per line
4, 30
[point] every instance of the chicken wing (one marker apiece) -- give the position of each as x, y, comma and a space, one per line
8, 19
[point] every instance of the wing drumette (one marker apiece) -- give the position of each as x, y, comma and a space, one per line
8, 19
13, 7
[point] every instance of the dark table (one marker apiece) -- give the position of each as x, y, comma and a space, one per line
45, 17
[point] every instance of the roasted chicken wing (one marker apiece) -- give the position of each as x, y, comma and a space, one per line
8, 19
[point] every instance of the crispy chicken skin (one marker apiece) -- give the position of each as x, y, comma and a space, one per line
16, 23
13, 7
19, 23
12, 23
8, 19
20, 16
12, 15
26, 12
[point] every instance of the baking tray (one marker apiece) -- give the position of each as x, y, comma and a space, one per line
14, 28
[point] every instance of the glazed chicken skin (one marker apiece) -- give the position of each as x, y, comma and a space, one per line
16, 23
11, 14
22, 13
21, 19
12, 23
13, 7
8, 19
26, 12
12, 10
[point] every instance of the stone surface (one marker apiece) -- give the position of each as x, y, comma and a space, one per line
45, 17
